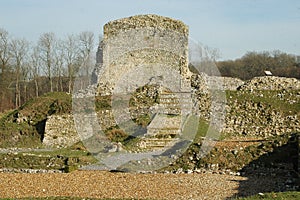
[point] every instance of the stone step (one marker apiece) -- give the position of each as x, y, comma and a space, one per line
163, 131
175, 103
163, 121
166, 132
177, 95
158, 143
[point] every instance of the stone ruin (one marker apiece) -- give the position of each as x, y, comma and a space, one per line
147, 50
144, 41
138, 51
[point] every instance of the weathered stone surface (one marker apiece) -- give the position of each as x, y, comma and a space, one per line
143, 40
257, 119
144, 21
60, 131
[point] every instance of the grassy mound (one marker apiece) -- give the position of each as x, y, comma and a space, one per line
24, 127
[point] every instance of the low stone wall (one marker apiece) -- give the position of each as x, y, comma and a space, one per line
60, 131
257, 119
204, 83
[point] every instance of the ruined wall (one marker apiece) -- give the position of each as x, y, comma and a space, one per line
151, 40
204, 83
60, 131
145, 40
246, 114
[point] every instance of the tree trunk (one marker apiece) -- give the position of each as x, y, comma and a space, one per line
51, 84
25, 92
61, 85
70, 84
36, 87
17, 94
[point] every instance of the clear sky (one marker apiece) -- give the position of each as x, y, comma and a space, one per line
232, 26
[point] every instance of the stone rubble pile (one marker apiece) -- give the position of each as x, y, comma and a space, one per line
142, 21
271, 83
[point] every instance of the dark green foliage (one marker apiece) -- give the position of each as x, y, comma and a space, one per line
254, 64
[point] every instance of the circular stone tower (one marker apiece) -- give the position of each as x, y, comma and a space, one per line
142, 40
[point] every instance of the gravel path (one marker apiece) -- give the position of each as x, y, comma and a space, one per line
100, 184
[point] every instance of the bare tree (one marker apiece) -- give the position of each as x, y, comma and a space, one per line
34, 64
71, 49
19, 49
47, 43
213, 53
5, 53
59, 71
5, 56
87, 44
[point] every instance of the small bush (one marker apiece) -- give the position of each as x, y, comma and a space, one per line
116, 135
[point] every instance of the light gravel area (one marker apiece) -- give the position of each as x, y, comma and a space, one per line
103, 184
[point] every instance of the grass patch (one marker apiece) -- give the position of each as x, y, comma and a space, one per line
279, 196
103, 102
65, 160
281, 100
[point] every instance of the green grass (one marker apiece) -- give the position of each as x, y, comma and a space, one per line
279, 196
62, 159
48, 104
201, 131
102, 102
281, 100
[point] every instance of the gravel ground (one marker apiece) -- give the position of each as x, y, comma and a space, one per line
101, 184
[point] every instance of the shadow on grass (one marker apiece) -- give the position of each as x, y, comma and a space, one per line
276, 171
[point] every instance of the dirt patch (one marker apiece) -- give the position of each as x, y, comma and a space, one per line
98, 184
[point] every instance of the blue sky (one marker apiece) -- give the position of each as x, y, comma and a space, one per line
232, 26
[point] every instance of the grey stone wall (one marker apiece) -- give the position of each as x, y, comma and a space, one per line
257, 119
60, 131
143, 40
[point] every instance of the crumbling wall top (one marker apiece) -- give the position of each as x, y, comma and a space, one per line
141, 21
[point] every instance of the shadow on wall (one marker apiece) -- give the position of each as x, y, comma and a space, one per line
276, 171
40, 128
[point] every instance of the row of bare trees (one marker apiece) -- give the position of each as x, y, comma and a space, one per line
49, 65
